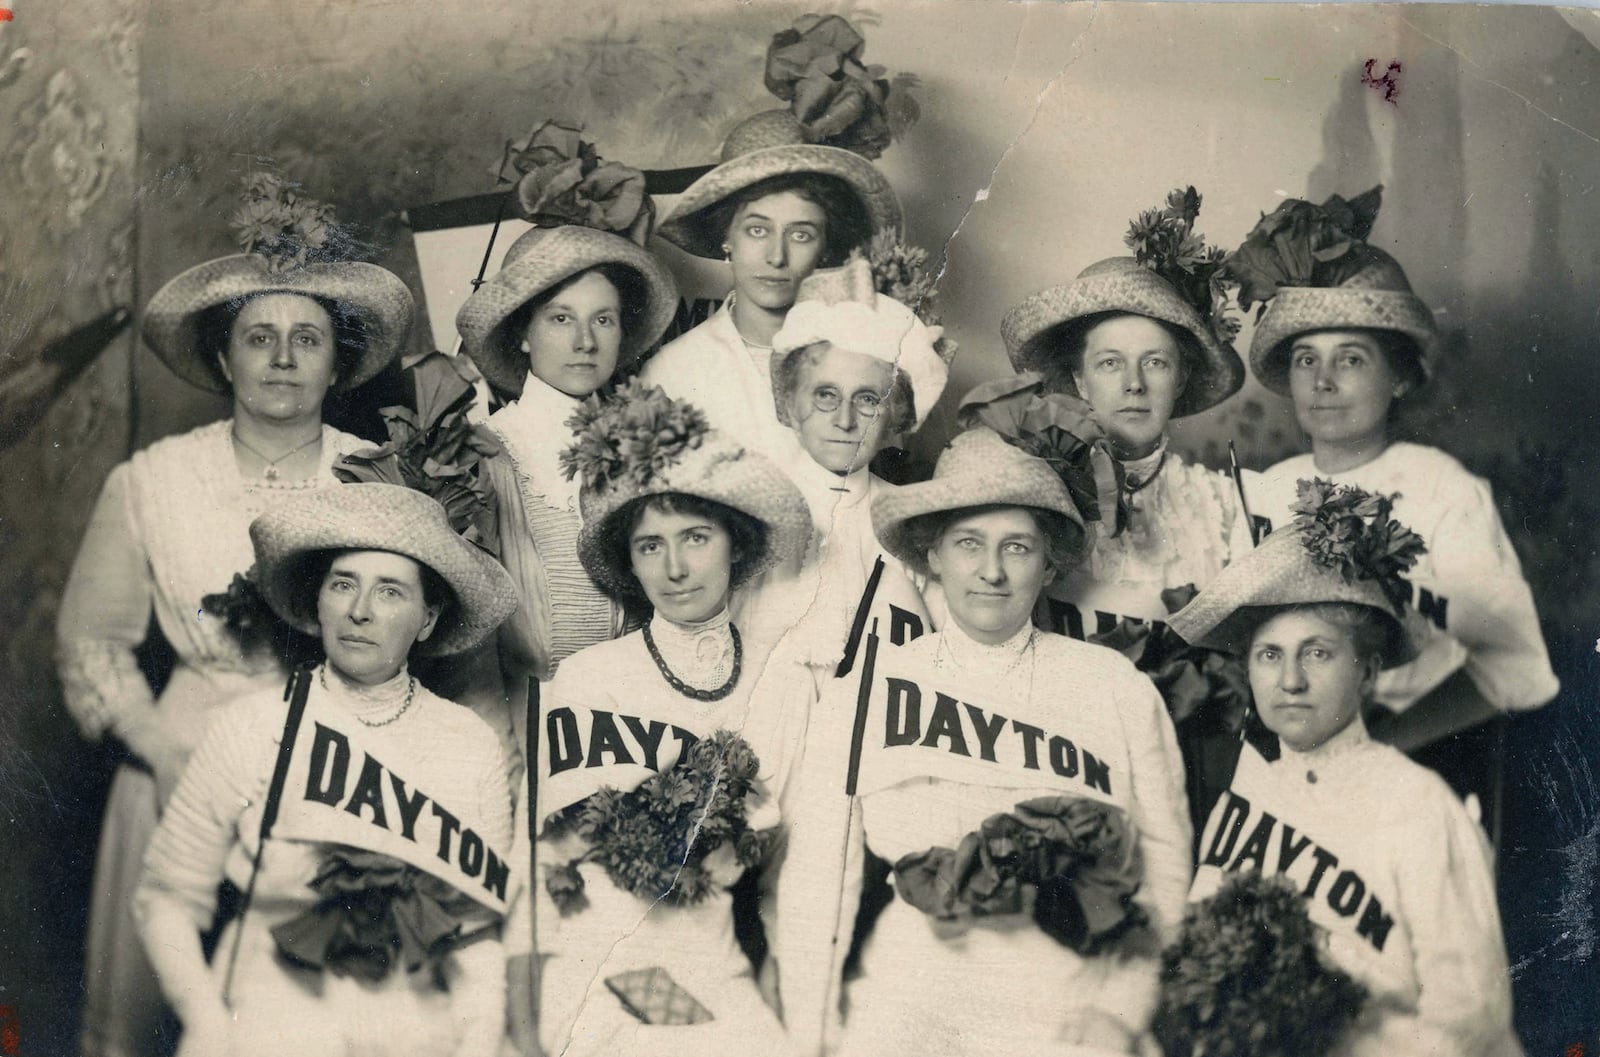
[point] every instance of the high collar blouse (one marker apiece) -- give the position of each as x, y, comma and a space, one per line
1395, 870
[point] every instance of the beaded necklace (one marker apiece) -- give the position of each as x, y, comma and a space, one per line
684, 688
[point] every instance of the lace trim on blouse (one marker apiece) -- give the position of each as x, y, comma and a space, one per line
1179, 530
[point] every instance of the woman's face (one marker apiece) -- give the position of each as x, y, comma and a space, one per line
1131, 374
684, 563
773, 243
856, 387
992, 566
574, 339
1307, 678
281, 358
371, 611
1342, 385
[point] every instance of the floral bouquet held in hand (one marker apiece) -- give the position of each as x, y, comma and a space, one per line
663, 840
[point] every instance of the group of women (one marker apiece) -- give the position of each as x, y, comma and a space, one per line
684, 567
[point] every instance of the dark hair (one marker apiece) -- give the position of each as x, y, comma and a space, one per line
848, 226
748, 535
310, 570
1062, 537
1374, 635
633, 294
214, 326
1061, 348
902, 408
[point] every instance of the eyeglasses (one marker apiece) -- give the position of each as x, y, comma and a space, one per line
827, 399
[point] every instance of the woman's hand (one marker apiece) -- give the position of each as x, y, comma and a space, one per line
521, 1025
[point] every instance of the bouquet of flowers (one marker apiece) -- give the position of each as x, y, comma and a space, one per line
1164, 240
636, 433
1246, 978
655, 840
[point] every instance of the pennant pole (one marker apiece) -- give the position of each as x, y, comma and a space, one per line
295, 692
858, 734
859, 624
1244, 504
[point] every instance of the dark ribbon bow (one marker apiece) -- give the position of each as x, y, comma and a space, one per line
374, 913
1076, 854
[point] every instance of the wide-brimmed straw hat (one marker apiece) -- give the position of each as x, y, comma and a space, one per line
374, 295
772, 143
541, 258
1286, 570
640, 443
1377, 297
1122, 284
842, 306
379, 517
978, 468
293, 244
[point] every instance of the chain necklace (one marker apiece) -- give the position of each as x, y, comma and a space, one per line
684, 688
411, 690
271, 470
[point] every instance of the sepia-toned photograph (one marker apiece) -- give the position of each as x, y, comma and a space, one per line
912, 528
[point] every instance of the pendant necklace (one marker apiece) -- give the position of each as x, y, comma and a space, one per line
684, 688
271, 470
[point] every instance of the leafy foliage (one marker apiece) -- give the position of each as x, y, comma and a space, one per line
1245, 978
1300, 244
1164, 240
654, 840
901, 271
435, 448
286, 228
633, 435
1349, 530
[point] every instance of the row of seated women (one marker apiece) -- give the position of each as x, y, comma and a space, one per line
696, 575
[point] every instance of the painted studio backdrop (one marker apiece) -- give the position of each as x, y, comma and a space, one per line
1044, 127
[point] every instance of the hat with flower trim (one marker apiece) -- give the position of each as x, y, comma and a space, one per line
1312, 269
293, 245
640, 442
1341, 547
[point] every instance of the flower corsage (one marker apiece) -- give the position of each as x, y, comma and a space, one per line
1246, 978
665, 840
1076, 858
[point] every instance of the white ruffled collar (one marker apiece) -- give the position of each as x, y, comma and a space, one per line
699, 654
533, 430
1137, 472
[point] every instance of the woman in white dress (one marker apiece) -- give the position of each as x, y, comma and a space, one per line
648, 803
353, 950
171, 527
1348, 341
790, 196
1386, 857
993, 960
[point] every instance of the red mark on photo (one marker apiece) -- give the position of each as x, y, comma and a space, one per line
1388, 84
1577, 1049
5, 14
10, 1032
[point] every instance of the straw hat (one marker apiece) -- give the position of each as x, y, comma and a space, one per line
1377, 297
376, 295
772, 143
977, 468
380, 517
1122, 284
842, 306
1285, 570
544, 257
643, 443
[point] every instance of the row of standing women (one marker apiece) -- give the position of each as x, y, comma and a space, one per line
686, 570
